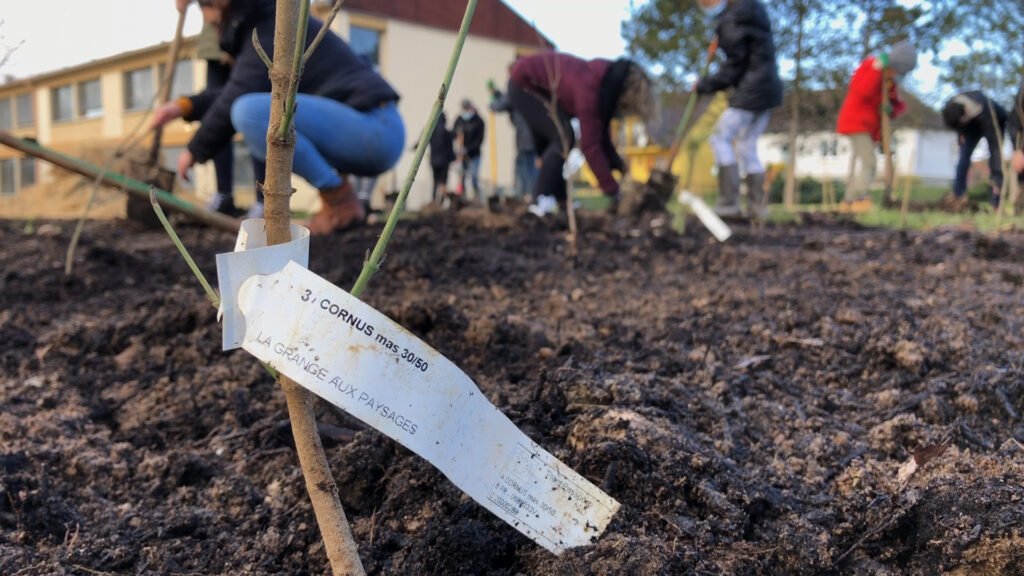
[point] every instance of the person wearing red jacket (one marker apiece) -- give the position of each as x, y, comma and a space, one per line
860, 117
592, 91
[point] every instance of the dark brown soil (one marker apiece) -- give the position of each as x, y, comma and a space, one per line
749, 404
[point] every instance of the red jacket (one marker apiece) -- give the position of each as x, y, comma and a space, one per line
578, 90
862, 109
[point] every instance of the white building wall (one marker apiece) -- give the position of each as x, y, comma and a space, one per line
416, 58
938, 154
929, 155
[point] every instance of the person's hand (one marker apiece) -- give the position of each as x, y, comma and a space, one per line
1018, 161
182, 5
185, 161
165, 114
613, 202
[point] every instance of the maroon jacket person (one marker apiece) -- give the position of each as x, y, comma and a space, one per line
593, 92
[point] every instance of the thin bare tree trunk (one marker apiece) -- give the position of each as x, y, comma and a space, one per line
341, 548
789, 196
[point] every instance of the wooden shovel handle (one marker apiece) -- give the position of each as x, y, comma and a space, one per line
691, 103
168, 81
886, 135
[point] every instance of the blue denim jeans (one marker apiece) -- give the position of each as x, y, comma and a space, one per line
330, 137
735, 139
471, 168
968, 142
526, 173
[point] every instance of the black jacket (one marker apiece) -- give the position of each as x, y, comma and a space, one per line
1015, 125
745, 35
333, 71
976, 116
441, 151
472, 134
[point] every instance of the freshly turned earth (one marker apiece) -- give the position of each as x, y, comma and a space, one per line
749, 404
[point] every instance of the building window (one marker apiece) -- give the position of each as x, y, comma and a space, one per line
365, 42
28, 172
182, 85
63, 103
6, 114
90, 99
7, 180
138, 89
26, 114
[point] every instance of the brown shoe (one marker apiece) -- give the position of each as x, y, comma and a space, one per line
857, 206
341, 210
951, 203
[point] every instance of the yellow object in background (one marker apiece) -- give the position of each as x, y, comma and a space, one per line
640, 160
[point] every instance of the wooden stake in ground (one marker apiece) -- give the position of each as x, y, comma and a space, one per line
1008, 172
905, 207
886, 136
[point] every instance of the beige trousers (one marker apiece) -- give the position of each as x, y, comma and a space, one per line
862, 166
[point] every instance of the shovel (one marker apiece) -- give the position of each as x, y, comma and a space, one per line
149, 170
662, 182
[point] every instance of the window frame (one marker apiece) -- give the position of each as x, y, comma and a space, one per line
128, 91
89, 114
31, 121
55, 107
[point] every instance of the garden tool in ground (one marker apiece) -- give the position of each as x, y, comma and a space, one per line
662, 183
149, 170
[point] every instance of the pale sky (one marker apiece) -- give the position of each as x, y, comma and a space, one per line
98, 28
62, 33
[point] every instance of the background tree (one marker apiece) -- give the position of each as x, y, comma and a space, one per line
669, 37
993, 61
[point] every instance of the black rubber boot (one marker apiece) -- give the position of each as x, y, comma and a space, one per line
728, 204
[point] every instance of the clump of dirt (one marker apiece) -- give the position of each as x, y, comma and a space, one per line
749, 404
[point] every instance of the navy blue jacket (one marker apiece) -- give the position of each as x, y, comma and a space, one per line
333, 71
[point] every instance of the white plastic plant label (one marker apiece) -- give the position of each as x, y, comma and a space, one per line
252, 256
719, 229
361, 361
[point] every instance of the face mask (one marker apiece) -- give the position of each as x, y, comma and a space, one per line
714, 11
467, 115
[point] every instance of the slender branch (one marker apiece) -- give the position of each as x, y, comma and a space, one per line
1007, 174
260, 51
69, 257
323, 31
211, 294
372, 264
297, 65
554, 75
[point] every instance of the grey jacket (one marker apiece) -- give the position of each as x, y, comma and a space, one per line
524, 137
